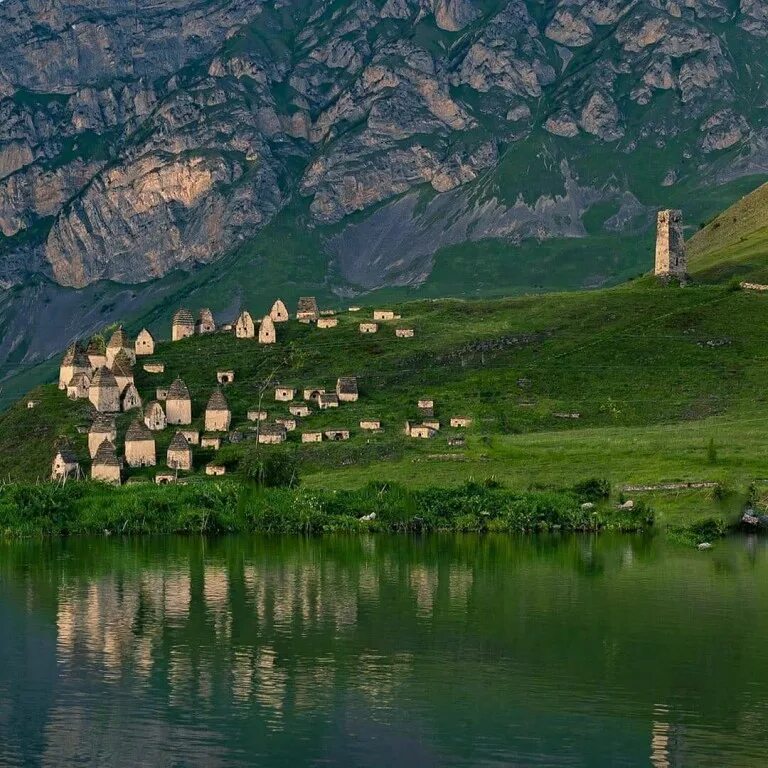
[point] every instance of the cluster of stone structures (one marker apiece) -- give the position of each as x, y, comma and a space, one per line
103, 374
367, 327
428, 425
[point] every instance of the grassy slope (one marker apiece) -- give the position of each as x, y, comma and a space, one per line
655, 374
735, 243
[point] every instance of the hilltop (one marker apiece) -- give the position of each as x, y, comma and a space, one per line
734, 244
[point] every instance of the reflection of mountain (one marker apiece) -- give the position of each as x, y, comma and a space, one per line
224, 651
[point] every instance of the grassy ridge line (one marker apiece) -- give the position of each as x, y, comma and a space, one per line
224, 507
734, 244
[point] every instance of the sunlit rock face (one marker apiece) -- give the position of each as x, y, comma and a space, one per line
138, 139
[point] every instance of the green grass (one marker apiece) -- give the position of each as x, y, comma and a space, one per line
656, 374
225, 507
734, 245
653, 372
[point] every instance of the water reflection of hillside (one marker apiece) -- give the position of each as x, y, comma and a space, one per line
284, 635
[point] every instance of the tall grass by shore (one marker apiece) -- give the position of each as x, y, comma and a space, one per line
228, 507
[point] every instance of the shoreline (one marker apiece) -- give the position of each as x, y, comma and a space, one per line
87, 508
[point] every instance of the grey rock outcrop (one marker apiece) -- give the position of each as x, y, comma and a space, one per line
133, 143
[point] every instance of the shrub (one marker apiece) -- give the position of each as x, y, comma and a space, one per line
273, 468
594, 489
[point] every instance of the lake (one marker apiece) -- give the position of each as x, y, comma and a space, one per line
380, 651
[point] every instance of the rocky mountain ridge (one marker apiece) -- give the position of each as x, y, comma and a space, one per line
139, 137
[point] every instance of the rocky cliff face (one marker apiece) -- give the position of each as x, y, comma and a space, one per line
137, 136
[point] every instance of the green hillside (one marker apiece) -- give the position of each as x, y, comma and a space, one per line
655, 375
734, 244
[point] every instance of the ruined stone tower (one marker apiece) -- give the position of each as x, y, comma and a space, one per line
670, 246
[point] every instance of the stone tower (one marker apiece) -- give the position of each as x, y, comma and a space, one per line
670, 246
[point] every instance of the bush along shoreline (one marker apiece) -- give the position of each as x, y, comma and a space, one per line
235, 507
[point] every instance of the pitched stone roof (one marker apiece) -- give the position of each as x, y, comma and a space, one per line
206, 316
79, 379
217, 402
347, 385
179, 443
138, 431
307, 304
183, 317
75, 355
244, 317
151, 406
104, 378
178, 391
119, 339
69, 355
102, 425
67, 454
121, 366
106, 455
279, 308
145, 332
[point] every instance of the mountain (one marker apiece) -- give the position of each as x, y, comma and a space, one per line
445, 146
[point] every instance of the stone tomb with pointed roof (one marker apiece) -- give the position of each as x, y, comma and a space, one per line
267, 332
144, 344
74, 361
192, 436
78, 386
106, 466
306, 311
182, 325
104, 393
154, 416
139, 445
178, 404
103, 428
179, 454
130, 399
96, 351
64, 464
205, 322
122, 370
245, 328
119, 342
217, 413
279, 312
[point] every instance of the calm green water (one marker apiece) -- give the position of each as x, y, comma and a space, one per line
436, 651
